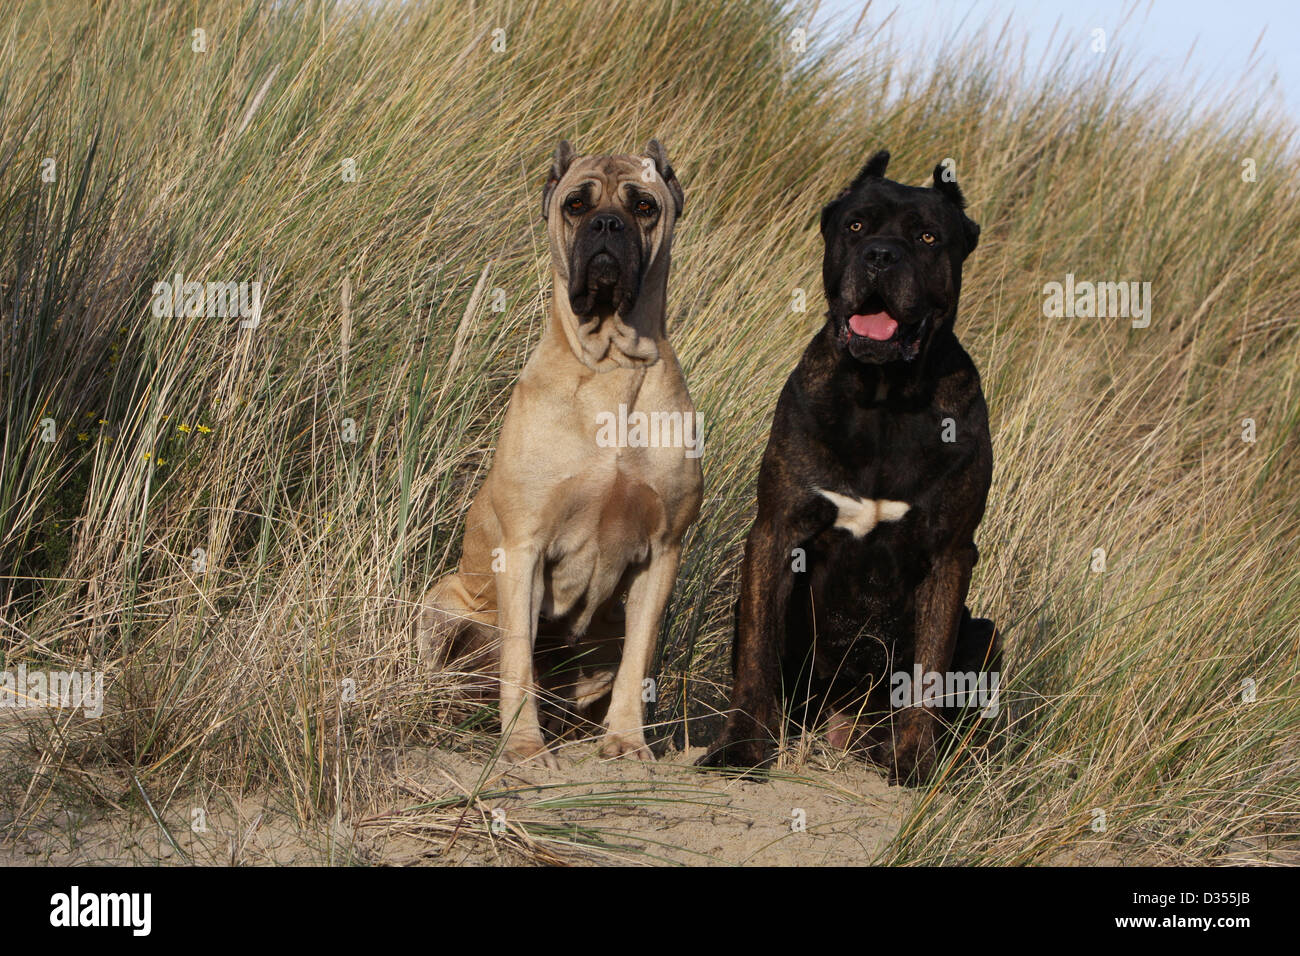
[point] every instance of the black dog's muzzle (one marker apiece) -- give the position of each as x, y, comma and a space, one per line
880, 256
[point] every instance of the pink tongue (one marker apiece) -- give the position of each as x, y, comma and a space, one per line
878, 326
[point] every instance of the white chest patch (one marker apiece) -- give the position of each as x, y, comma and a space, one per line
859, 515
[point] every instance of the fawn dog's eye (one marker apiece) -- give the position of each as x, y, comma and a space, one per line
575, 204
646, 206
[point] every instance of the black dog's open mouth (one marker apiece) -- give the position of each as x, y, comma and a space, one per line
873, 321
873, 326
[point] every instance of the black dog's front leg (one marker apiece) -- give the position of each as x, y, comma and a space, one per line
940, 601
767, 580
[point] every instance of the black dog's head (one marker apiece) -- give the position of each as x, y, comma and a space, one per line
892, 268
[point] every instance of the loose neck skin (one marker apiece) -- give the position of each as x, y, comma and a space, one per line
606, 342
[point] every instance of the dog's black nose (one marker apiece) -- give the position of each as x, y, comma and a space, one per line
607, 223
880, 255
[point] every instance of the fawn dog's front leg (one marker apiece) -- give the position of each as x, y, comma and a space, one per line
646, 600
519, 598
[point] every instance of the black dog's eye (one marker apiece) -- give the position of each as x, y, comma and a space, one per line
929, 238
576, 204
646, 206
855, 225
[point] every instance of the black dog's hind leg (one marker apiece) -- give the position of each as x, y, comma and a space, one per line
979, 646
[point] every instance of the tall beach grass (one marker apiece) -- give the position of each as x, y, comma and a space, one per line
232, 522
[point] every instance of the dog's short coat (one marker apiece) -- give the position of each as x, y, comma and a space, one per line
873, 482
568, 539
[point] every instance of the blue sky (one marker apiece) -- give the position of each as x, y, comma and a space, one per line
1188, 44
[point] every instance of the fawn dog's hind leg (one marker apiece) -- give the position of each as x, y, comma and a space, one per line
450, 609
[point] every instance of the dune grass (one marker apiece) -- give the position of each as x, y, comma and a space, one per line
232, 522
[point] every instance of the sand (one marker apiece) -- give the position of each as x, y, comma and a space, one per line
429, 806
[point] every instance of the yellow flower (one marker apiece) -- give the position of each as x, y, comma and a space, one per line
103, 421
204, 429
148, 455
182, 428
82, 436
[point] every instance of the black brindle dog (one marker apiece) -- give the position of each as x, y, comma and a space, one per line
873, 482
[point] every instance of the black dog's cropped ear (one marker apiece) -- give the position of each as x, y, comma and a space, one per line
945, 181
947, 184
656, 152
874, 169
564, 154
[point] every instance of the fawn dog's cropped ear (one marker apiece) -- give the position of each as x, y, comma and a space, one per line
874, 169
945, 181
656, 151
560, 162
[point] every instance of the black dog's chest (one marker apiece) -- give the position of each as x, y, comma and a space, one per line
864, 567
890, 454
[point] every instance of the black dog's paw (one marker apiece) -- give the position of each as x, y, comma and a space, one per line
914, 755
739, 757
